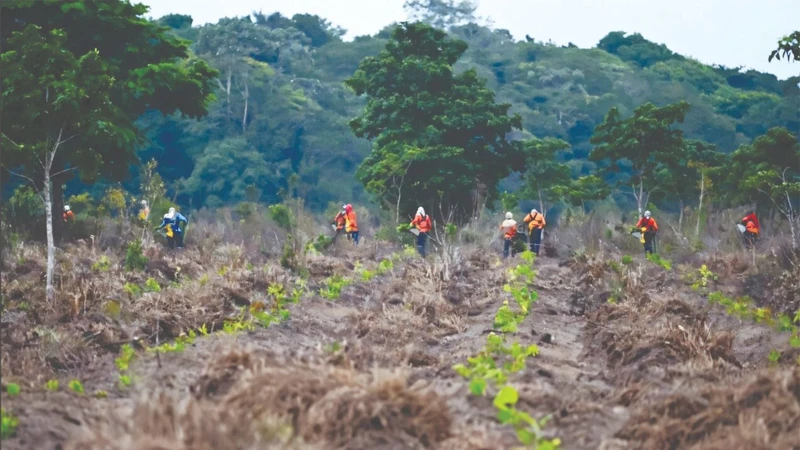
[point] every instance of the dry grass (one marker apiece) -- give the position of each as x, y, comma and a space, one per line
761, 412
246, 400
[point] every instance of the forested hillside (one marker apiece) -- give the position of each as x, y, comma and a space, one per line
283, 108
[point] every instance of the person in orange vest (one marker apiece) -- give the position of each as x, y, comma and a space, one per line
68, 215
752, 227
509, 230
536, 223
340, 221
649, 228
423, 223
350, 224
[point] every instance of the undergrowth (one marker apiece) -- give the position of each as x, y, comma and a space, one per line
9, 425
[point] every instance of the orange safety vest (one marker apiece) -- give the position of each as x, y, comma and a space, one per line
650, 224
340, 220
350, 222
751, 227
509, 229
423, 224
535, 221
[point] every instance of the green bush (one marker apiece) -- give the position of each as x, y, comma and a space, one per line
627, 260
245, 210
134, 257
9, 425
281, 215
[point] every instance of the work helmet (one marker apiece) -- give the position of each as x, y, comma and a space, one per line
509, 215
66, 207
534, 211
647, 214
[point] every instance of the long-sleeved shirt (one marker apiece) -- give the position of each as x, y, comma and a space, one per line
423, 224
174, 222
650, 224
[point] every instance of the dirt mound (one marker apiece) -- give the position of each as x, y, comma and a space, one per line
659, 335
761, 413
317, 403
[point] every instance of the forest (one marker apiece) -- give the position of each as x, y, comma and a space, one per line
277, 107
177, 268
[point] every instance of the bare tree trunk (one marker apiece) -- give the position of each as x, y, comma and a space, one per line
700, 205
51, 246
541, 203
228, 91
680, 218
246, 97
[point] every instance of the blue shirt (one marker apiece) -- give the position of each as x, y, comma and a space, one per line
175, 222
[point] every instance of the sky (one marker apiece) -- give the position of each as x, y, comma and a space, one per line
731, 33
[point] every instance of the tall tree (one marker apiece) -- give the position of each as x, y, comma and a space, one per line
768, 172
55, 97
151, 69
545, 176
438, 134
442, 14
642, 144
77, 74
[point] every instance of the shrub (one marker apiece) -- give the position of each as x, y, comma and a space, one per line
12, 389
102, 265
9, 424
627, 260
245, 210
76, 386
134, 258
281, 215
51, 385
151, 285
658, 260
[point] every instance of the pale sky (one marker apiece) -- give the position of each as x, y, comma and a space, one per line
728, 32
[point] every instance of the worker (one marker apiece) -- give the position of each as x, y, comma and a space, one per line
339, 221
536, 223
144, 212
509, 230
68, 215
174, 222
752, 227
423, 223
649, 228
350, 223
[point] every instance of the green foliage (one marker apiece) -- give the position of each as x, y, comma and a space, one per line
9, 424
438, 139
12, 389
705, 275
102, 265
659, 261
93, 93
774, 356
126, 356
134, 257
131, 289
627, 260
51, 385
788, 47
333, 287
282, 215
76, 386
100, 394
647, 142
151, 285
125, 381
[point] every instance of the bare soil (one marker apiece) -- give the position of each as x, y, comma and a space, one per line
657, 368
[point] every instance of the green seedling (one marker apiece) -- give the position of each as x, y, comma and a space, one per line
12, 389
76, 386
9, 424
51, 385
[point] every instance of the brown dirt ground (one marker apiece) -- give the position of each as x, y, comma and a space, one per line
660, 369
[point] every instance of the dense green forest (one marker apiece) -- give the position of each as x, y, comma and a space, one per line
281, 106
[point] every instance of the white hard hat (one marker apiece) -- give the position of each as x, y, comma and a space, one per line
534, 211
509, 215
144, 202
647, 214
66, 207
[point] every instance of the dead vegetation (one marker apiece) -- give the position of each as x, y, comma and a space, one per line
761, 411
246, 400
